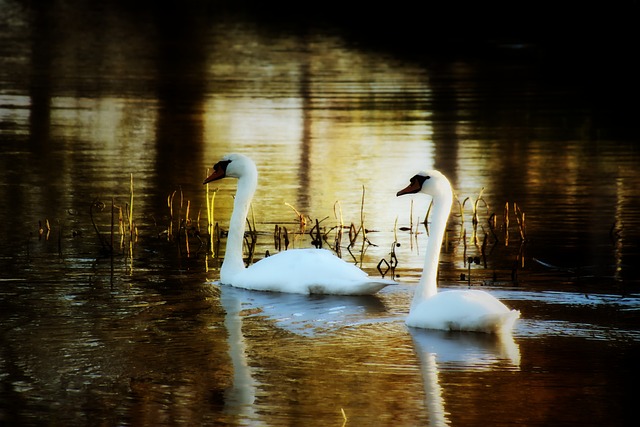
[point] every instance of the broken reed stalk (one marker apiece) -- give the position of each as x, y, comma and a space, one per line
210, 200
426, 217
302, 220
253, 234
280, 234
286, 238
474, 213
113, 210
131, 208
460, 207
506, 215
198, 220
520, 217
483, 250
344, 417
505, 223
216, 231
493, 223
277, 237
362, 227
340, 227
121, 226
186, 228
411, 218
316, 235
353, 233
464, 243
474, 219
170, 205
393, 259
131, 222
108, 243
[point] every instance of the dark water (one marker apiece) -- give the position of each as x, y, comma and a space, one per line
97, 98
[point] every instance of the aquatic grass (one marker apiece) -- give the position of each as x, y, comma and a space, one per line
393, 259
170, 206
505, 223
187, 228
41, 229
479, 199
121, 229
302, 219
132, 229
126, 229
414, 234
355, 232
480, 238
339, 228
365, 239
474, 213
316, 235
251, 238
215, 233
130, 210
426, 217
213, 241
410, 227
493, 223
520, 219
280, 234
332, 236
184, 226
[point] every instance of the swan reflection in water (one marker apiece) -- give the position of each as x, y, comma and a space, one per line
468, 350
315, 316
308, 315
304, 315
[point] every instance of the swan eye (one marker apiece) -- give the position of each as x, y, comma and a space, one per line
221, 165
420, 179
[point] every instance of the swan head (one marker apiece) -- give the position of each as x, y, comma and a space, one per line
432, 183
232, 165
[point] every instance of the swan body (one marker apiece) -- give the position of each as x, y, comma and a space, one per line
302, 271
456, 310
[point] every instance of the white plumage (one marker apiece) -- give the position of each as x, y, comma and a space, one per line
456, 310
303, 271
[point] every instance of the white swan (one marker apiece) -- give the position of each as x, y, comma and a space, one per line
460, 310
302, 271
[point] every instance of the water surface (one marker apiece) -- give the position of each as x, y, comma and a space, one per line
95, 101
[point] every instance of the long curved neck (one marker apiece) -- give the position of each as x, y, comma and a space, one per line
428, 285
233, 260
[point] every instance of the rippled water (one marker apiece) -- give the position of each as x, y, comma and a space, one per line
95, 101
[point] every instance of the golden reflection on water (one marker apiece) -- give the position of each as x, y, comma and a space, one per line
322, 120
372, 372
344, 127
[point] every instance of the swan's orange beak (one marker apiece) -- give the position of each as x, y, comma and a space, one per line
218, 173
412, 188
